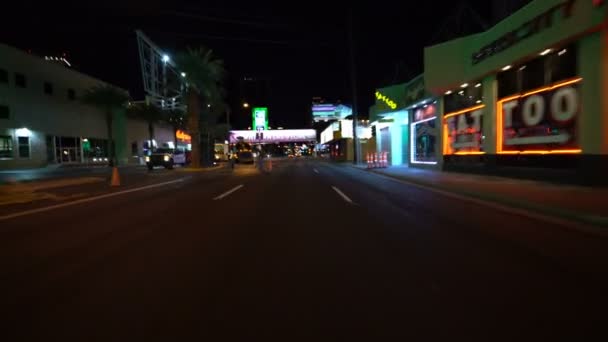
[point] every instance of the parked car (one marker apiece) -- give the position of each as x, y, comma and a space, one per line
166, 157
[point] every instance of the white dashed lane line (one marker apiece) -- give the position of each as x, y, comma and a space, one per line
228, 192
344, 197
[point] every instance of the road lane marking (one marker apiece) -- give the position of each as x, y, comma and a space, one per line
315, 170
344, 197
228, 192
88, 199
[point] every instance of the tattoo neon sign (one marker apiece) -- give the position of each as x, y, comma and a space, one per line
386, 100
181, 135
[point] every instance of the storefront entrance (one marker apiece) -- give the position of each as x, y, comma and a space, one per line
385, 141
67, 150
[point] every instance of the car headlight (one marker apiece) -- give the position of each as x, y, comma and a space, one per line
147, 159
166, 158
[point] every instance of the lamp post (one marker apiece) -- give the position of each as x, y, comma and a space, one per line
353, 79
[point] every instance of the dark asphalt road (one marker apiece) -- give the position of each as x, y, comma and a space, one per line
287, 257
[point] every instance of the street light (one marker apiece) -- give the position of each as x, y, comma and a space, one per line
165, 58
245, 105
183, 74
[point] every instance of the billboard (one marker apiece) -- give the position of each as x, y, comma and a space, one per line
325, 112
274, 136
543, 120
259, 118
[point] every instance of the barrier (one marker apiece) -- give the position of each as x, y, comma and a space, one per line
384, 160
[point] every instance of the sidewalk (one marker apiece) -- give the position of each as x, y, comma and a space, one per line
583, 204
54, 171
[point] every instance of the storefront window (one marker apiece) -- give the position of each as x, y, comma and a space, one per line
24, 147
557, 65
542, 121
543, 114
6, 146
533, 74
464, 97
463, 132
508, 82
95, 148
563, 64
423, 134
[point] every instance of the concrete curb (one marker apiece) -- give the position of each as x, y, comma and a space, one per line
561, 213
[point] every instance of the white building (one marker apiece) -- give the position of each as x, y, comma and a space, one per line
43, 122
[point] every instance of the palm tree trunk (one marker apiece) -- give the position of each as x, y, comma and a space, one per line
194, 127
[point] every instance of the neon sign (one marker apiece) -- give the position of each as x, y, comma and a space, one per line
259, 118
462, 132
541, 121
527, 29
386, 100
181, 135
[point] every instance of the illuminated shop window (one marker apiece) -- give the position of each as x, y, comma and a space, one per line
424, 134
551, 66
462, 98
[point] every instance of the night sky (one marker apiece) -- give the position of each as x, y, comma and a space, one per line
300, 50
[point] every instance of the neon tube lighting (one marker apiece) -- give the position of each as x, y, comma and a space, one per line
466, 110
500, 120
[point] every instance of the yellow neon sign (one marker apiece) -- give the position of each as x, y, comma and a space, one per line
385, 99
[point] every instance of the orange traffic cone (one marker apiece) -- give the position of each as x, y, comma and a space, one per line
115, 177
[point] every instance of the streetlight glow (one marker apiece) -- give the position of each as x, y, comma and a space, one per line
245, 105
165, 58
183, 74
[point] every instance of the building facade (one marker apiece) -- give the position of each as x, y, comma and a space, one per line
526, 96
389, 121
43, 122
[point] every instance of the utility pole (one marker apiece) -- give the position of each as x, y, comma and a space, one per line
353, 81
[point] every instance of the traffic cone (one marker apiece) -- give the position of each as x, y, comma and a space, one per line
268, 165
115, 181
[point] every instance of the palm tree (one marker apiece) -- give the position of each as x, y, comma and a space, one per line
205, 72
151, 114
108, 99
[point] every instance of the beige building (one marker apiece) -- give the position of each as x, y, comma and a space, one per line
43, 122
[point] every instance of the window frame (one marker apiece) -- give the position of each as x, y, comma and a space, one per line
20, 145
11, 149
550, 65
